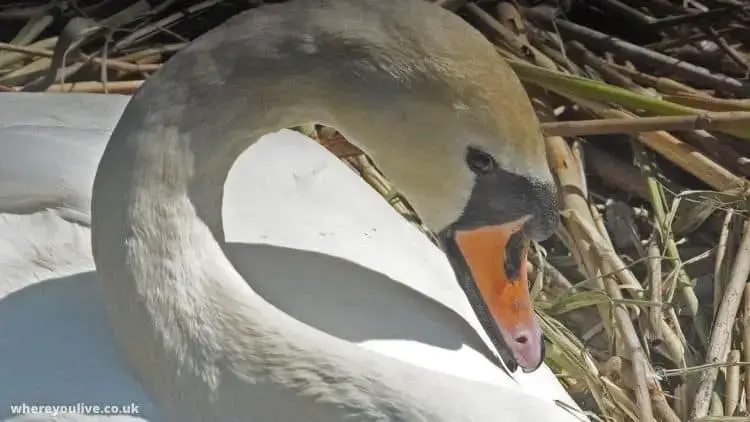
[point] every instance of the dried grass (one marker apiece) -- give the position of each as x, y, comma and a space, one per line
640, 293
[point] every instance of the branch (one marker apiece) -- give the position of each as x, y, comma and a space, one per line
705, 121
725, 318
638, 54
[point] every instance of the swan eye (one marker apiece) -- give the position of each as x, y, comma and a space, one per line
479, 161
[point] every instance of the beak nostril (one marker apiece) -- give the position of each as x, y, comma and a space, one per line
522, 339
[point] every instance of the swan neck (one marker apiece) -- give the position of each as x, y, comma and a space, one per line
182, 314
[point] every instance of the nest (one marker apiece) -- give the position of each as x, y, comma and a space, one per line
642, 293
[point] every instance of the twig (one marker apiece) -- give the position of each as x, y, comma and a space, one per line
33, 28
152, 51
639, 54
656, 198
622, 399
113, 64
7, 59
629, 12
603, 67
27, 12
506, 37
709, 103
732, 389
33, 69
670, 43
72, 35
731, 52
722, 262
706, 121
721, 334
32, 51
562, 165
660, 83
161, 24
680, 403
659, 401
625, 327
655, 313
118, 87
678, 152
691, 18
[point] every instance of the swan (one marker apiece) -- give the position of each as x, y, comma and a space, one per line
208, 324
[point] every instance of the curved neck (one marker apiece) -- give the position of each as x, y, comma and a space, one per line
191, 328
187, 125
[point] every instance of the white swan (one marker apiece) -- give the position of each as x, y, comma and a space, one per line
210, 348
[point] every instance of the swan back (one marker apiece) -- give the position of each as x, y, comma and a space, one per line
55, 344
50, 146
56, 155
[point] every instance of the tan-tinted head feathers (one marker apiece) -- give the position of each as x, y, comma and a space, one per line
490, 96
437, 86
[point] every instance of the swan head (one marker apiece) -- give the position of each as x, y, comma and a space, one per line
487, 245
457, 135
478, 176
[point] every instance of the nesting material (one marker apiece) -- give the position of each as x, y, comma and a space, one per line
643, 292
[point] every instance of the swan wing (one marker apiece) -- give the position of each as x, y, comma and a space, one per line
56, 346
51, 145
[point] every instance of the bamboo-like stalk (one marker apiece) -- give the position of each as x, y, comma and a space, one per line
655, 314
709, 103
637, 356
687, 157
579, 87
732, 389
721, 334
113, 64
721, 121
656, 197
589, 89
117, 87
722, 264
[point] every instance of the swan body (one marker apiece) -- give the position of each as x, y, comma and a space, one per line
318, 302
53, 324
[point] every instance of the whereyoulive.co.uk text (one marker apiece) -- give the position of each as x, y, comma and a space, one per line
76, 409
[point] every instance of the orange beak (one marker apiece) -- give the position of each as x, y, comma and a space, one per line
508, 299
